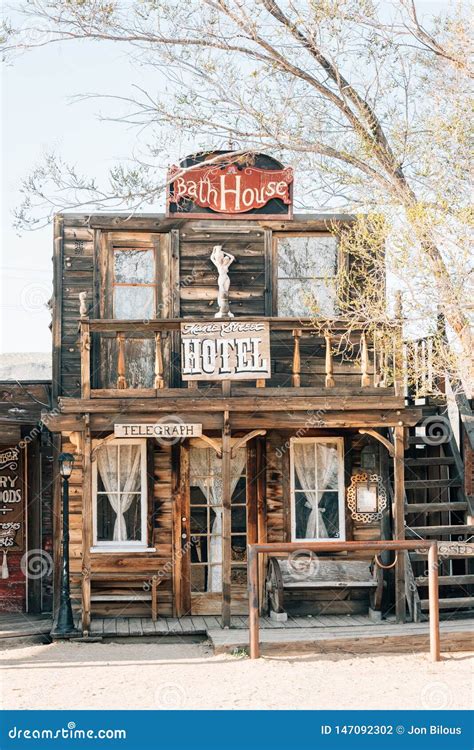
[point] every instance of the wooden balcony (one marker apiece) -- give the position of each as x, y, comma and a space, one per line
123, 359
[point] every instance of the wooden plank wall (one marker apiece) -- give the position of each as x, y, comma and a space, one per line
77, 265
148, 563
279, 525
198, 275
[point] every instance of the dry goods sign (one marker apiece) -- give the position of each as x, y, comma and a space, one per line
225, 350
12, 507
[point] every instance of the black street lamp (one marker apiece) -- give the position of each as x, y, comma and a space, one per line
65, 621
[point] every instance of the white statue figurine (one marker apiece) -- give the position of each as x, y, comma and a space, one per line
222, 261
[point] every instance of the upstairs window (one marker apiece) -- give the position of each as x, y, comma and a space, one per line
134, 283
307, 267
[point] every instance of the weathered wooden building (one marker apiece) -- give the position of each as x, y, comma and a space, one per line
26, 498
194, 435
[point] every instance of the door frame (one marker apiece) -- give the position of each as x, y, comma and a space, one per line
255, 516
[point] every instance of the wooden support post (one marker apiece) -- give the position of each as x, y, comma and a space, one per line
383, 360
416, 369
433, 592
399, 352
376, 363
364, 362
330, 382
261, 511
85, 359
159, 379
399, 520
86, 527
226, 388
253, 603
226, 522
296, 372
57, 502
121, 381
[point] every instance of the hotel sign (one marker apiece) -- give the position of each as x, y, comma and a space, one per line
231, 190
225, 350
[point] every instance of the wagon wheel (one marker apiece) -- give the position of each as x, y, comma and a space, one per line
274, 586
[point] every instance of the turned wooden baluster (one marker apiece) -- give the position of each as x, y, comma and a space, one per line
406, 391
430, 365
85, 359
383, 361
159, 379
296, 371
364, 362
121, 381
330, 382
424, 368
376, 370
416, 369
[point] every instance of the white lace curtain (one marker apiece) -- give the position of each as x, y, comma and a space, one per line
324, 476
206, 473
121, 476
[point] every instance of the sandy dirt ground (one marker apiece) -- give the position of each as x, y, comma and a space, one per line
172, 676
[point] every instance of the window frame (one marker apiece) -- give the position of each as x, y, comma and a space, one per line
339, 442
114, 545
165, 270
153, 285
341, 261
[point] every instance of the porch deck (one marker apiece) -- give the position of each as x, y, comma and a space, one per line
318, 634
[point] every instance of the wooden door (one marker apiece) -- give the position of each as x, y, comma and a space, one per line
202, 531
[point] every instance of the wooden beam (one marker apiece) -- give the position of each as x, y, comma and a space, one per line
399, 520
86, 526
104, 421
383, 440
56, 479
241, 441
194, 401
226, 522
57, 306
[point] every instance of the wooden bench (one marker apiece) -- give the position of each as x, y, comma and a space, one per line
124, 587
305, 572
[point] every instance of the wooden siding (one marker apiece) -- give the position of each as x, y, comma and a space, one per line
198, 275
146, 563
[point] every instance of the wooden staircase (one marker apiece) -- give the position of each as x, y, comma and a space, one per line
436, 507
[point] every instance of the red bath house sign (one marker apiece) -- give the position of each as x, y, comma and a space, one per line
230, 189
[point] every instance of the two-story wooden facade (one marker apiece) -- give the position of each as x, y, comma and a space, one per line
265, 459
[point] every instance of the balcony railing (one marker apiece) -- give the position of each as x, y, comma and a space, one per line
133, 358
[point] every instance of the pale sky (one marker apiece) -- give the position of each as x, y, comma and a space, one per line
38, 116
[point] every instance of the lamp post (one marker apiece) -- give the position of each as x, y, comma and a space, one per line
65, 621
